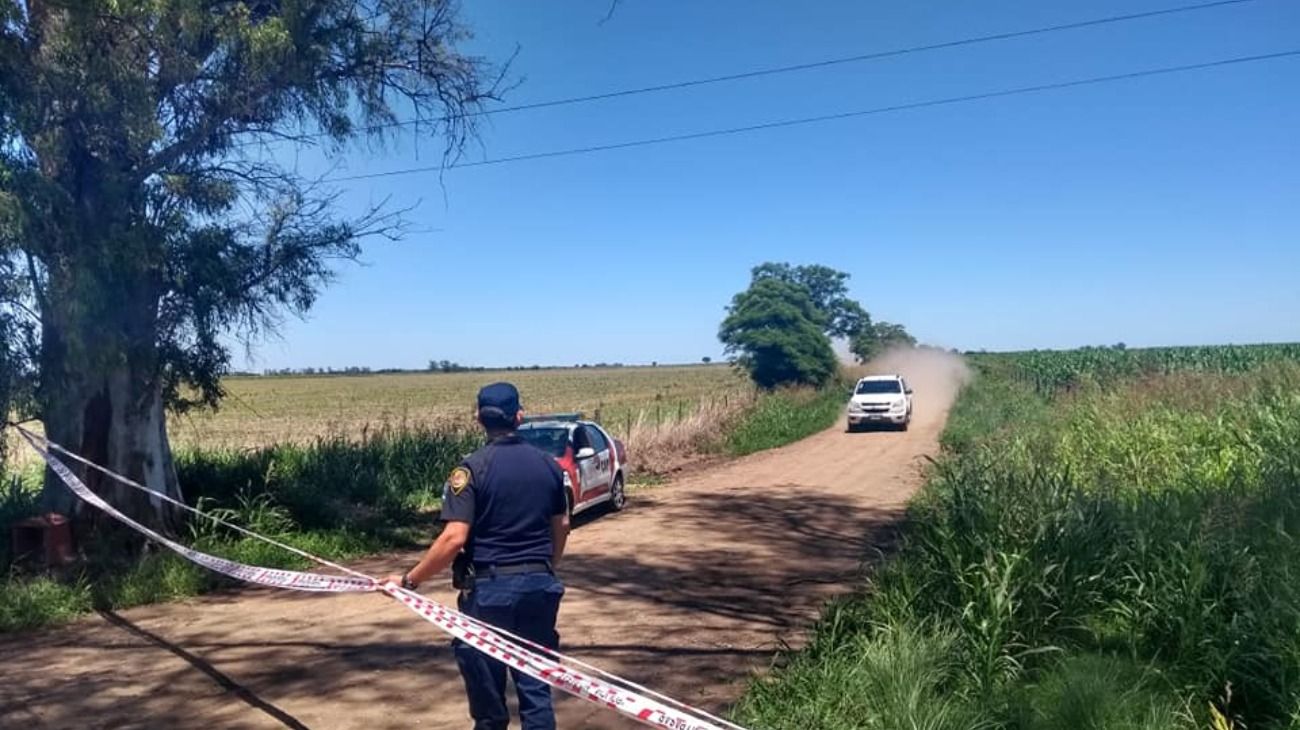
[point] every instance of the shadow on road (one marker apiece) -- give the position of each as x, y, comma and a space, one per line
232, 687
776, 556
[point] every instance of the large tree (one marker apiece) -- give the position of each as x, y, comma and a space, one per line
776, 331
829, 291
142, 215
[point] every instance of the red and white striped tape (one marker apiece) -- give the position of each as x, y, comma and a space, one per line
629, 699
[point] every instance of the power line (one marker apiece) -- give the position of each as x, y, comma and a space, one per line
875, 56
864, 57
827, 117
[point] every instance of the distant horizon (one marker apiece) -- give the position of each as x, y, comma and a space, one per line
353, 370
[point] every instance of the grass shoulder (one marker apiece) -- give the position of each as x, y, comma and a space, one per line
783, 417
1112, 555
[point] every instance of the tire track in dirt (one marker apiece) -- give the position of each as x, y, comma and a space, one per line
689, 591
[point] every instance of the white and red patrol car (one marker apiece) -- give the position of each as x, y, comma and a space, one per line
592, 460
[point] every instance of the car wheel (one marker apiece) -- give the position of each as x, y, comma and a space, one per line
617, 495
903, 426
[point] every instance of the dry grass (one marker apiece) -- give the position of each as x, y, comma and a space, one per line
656, 410
658, 447
265, 410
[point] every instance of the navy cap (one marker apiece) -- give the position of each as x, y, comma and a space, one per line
499, 399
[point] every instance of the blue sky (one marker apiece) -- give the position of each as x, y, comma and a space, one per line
1156, 211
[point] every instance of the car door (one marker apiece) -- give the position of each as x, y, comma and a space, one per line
601, 465
587, 468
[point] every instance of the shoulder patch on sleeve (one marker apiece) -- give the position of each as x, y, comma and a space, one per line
459, 479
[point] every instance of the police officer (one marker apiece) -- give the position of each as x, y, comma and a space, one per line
505, 508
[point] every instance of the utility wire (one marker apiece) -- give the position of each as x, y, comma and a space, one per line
805, 66
826, 117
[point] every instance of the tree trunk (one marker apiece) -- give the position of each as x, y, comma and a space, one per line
102, 398
118, 423
101, 390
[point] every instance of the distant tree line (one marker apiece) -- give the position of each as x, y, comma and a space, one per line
440, 366
447, 366
351, 370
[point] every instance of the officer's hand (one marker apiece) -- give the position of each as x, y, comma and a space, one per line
395, 579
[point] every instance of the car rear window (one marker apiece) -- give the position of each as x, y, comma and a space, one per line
879, 386
551, 440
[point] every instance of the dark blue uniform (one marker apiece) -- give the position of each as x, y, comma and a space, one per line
508, 492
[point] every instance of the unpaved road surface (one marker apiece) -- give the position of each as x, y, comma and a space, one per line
689, 591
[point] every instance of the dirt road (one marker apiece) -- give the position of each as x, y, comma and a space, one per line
688, 591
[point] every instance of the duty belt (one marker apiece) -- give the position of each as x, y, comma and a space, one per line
487, 569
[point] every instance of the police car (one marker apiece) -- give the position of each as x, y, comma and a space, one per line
592, 460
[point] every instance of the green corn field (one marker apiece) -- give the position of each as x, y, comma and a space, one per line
1053, 370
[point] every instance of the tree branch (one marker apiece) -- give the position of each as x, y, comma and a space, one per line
38, 288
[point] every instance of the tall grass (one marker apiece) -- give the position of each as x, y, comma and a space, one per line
995, 406
1093, 692
389, 477
736, 425
1123, 555
19, 499
30, 601
41, 601
332, 497
340, 497
162, 575
657, 446
892, 679
783, 417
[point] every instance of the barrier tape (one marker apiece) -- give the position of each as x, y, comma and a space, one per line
562, 658
630, 700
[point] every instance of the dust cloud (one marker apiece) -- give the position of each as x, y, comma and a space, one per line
936, 375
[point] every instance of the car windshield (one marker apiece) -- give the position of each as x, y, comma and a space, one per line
551, 440
879, 386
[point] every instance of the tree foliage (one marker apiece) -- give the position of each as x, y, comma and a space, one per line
142, 213
829, 291
875, 338
130, 152
16, 345
770, 324
778, 333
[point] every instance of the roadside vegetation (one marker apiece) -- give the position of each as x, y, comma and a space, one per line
783, 417
342, 496
336, 498
1109, 548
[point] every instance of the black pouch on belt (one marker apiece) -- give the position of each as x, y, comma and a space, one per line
462, 573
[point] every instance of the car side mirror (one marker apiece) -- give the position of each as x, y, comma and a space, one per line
908, 391
585, 452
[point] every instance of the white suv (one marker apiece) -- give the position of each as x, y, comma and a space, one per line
881, 399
